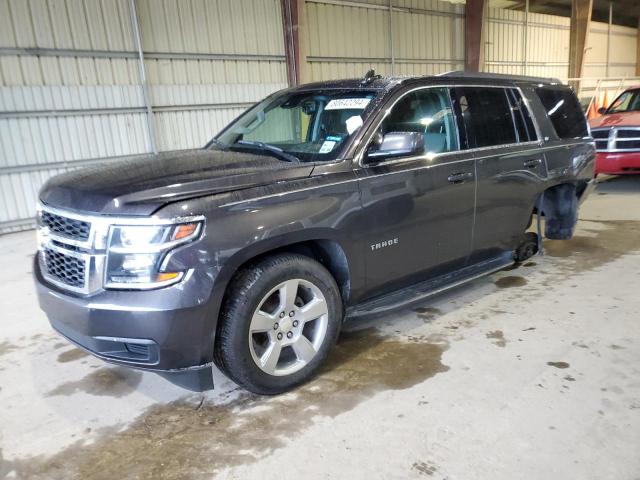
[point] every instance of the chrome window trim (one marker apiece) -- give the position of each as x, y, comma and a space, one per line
472, 158
359, 157
94, 250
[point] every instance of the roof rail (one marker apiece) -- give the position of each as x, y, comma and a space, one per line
499, 76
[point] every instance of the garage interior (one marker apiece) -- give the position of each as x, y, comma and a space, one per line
529, 373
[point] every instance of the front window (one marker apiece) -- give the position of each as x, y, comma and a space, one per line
306, 126
426, 111
629, 101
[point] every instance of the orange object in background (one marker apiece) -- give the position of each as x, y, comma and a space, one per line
599, 101
591, 111
605, 100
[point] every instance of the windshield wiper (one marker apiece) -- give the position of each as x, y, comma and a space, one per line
214, 142
270, 148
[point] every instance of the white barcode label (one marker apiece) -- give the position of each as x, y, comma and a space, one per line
347, 103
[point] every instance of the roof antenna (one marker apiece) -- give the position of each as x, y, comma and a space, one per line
369, 77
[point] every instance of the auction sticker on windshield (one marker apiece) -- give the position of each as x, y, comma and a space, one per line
347, 103
327, 146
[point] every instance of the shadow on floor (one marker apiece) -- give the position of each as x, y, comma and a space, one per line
611, 184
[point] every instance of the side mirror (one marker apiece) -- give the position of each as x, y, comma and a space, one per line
602, 110
396, 144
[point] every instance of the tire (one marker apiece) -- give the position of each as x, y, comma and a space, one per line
263, 342
527, 248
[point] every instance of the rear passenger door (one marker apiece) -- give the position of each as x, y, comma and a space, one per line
510, 165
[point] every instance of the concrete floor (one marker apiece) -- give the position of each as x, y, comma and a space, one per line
530, 373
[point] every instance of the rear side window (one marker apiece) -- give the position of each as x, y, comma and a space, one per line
564, 111
521, 116
486, 113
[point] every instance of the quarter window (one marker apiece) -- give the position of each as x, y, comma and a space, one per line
427, 111
486, 113
564, 111
522, 117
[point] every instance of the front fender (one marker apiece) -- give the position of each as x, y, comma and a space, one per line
320, 208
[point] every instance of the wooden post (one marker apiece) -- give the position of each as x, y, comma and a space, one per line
473, 48
578, 37
638, 50
290, 24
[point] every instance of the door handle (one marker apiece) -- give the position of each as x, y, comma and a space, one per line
532, 163
460, 177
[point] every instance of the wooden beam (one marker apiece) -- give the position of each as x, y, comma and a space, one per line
578, 36
638, 50
473, 47
290, 24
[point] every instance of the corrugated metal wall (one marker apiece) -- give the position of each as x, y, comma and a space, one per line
346, 38
70, 88
547, 46
71, 92
207, 62
44, 125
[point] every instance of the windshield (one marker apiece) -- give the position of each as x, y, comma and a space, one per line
299, 126
629, 101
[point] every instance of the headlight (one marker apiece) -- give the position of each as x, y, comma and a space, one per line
136, 252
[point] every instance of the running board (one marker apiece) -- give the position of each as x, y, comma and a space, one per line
428, 288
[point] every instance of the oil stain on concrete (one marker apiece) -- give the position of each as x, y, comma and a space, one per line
511, 281
6, 348
424, 468
428, 313
498, 336
72, 355
558, 364
191, 439
106, 381
611, 240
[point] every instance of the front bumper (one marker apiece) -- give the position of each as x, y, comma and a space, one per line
618, 163
168, 331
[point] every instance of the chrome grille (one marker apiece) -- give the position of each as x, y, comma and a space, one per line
627, 133
67, 227
622, 139
65, 268
67, 249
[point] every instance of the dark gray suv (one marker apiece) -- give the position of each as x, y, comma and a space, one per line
320, 204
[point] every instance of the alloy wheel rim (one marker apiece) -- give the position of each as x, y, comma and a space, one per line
288, 327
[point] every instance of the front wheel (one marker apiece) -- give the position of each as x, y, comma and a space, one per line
280, 318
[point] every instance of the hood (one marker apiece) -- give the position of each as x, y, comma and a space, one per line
625, 119
139, 185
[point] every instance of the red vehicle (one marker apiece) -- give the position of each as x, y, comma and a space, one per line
617, 135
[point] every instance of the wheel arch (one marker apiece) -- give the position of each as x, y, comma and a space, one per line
321, 246
559, 205
326, 251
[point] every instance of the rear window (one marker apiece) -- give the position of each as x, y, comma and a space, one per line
564, 111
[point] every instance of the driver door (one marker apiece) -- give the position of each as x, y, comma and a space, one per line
418, 209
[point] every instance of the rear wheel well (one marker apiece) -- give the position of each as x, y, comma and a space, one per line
560, 209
